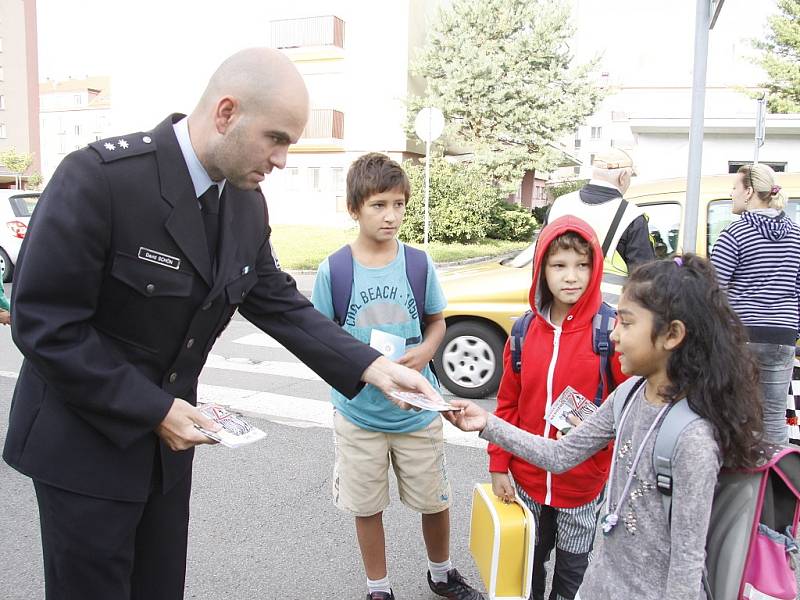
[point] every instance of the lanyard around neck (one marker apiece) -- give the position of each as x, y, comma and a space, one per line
609, 521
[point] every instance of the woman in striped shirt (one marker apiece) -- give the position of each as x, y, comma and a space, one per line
758, 262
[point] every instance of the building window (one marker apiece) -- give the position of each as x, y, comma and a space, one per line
337, 175
3, 133
597, 133
294, 178
97, 138
2, 102
577, 140
78, 99
591, 159
313, 177
77, 129
576, 170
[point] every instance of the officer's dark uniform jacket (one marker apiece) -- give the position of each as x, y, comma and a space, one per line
116, 308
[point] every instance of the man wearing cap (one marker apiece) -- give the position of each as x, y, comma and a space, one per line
620, 226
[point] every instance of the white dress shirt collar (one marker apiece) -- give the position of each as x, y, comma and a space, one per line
200, 178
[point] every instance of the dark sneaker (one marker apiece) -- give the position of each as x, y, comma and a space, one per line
380, 596
456, 587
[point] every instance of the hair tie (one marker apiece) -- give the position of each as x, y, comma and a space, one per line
775, 189
678, 261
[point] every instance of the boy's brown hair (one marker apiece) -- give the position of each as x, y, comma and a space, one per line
569, 241
374, 173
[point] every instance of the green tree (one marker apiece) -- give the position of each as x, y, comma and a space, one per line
460, 203
14, 161
503, 74
780, 58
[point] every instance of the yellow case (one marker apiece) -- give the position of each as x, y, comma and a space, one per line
501, 539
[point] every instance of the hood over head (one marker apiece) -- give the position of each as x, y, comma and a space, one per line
589, 303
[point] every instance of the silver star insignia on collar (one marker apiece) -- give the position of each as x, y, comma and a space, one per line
123, 144
109, 146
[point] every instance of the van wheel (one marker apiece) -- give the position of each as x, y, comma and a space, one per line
469, 362
8, 268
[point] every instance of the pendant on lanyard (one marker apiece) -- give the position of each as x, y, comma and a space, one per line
611, 518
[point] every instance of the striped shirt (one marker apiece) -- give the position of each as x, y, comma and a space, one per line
757, 259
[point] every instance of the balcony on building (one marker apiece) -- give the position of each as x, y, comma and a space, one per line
310, 38
324, 132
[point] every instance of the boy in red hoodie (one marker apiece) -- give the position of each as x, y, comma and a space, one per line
557, 352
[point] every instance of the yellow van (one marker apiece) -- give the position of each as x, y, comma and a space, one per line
485, 299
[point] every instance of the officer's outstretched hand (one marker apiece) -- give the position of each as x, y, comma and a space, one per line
391, 377
178, 428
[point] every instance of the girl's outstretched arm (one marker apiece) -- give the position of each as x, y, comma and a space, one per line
555, 456
695, 466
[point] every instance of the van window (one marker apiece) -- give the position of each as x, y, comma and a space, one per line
664, 221
720, 216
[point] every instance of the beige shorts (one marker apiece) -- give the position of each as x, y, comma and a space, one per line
361, 468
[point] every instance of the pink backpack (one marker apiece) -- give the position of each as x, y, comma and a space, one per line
751, 545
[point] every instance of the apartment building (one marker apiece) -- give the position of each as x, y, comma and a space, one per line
73, 113
19, 97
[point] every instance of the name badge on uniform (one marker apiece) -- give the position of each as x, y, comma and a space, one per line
159, 258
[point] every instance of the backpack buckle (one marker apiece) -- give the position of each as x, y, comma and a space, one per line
603, 346
664, 484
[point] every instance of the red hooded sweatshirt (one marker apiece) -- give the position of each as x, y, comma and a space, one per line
553, 358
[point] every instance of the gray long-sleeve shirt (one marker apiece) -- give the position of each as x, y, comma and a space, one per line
643, 557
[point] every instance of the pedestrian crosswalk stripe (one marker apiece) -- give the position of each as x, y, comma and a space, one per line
258, 339
266, 367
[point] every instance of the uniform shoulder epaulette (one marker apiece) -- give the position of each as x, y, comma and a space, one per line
114, 148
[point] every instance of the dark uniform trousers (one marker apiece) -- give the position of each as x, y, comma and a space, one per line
116, 308
97, 548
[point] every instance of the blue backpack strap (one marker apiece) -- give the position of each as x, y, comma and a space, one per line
341, 267
518, 331
417, 275
602, 325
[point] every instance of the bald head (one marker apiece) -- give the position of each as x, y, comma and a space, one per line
254, 107
255, 76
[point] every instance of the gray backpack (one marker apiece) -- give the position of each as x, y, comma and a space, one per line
750, 545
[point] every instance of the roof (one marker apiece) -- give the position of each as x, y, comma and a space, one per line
99, 89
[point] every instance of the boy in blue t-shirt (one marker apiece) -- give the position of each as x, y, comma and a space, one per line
370, 432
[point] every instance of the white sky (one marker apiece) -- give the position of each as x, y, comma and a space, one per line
160, 52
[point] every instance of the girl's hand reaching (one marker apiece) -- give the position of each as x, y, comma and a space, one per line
471, 417
502, 487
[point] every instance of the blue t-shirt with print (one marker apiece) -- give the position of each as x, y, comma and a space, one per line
381, 299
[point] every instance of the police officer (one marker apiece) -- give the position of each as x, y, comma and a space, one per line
140, 250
